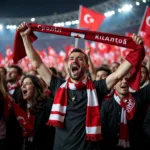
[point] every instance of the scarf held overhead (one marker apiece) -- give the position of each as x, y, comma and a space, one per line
59, 108
123, 41
112, 39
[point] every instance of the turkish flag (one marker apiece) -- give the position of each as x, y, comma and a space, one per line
145, 27
90, 19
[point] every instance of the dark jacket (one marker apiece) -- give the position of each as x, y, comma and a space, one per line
147, 123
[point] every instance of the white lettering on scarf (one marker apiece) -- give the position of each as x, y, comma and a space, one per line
47, 28
111, 39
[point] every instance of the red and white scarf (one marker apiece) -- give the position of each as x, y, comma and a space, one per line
12, 87
127, 113
59, 108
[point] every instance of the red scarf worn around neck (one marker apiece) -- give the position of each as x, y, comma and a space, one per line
13, 86
127, 113
134, 57
59, 108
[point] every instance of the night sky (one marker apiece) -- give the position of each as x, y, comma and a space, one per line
33, 8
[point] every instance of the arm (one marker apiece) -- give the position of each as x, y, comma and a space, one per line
91, 67
33, 56
124, 68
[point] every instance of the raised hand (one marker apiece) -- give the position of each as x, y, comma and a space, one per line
137, 39
24, 29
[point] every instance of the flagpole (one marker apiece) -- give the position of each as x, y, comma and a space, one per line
142, 20
79, 17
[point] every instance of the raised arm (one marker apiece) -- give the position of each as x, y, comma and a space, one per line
123, 69
33, 56
91, 66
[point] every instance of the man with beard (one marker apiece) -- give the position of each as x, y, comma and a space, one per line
75, 111
14, 132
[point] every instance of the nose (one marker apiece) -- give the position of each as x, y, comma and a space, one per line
23, 85
75, 60
125, 80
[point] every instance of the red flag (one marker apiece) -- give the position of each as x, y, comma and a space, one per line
144, 30
26, 123
90, 19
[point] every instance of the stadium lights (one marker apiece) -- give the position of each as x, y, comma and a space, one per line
11, 27
125, 8
1, 27
67, 23
32, 19
137, 3
109, 13
144, 1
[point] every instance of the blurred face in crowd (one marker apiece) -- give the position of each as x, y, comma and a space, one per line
27, 88
77, 65
144, 76
122, 87
101, 75
12, 75
114, 67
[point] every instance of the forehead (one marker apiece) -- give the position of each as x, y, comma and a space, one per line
12, 69
115, 65
101, 72
76, 54
27, 80
143, 69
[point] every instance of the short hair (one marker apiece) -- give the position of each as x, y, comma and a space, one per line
103, 68
53, 69
116, 63
19, 70
80, 51
144, 66
4, 69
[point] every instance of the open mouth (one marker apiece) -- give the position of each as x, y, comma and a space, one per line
74, 68
124, 87
24, 92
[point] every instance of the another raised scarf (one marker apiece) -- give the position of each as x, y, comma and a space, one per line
127, 113
59, 108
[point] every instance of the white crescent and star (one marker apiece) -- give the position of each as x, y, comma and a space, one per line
88, 19
148, 21
101, 46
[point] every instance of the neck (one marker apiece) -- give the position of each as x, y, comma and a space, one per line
29, 101
122, 96
79, 80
